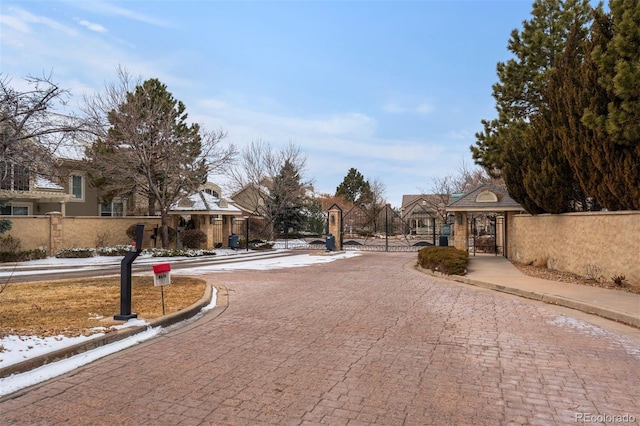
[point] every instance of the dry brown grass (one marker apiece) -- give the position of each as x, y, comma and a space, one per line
567, 277
73, 307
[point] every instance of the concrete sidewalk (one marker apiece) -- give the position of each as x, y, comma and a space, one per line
497, 273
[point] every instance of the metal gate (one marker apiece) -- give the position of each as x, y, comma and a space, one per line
382, 228
485, 233
367, 228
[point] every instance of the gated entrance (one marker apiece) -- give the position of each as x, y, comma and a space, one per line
382, 228
486, 233
481, 220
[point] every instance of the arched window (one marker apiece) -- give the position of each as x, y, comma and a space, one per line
212, 192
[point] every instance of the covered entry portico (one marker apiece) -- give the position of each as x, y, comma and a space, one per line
212, 215
482, 218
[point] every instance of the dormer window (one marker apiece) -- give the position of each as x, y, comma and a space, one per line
212, 192
486, 196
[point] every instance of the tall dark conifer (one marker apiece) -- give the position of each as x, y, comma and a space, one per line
617, 61
505, 142
287, 199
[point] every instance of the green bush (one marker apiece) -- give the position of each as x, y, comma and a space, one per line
118, 250
22, 256
192, 238
75, 253
159, 252
446, 260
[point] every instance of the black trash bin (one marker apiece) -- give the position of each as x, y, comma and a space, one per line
444, 240
331, 242
233, 241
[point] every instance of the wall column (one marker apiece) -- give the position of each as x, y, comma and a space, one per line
460, 231
56, 234
335, 225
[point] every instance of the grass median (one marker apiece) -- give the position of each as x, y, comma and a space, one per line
76, 307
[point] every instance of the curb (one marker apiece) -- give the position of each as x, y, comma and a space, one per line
108, 338
551, 299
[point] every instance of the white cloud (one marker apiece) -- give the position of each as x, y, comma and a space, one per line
109, 9
92, 26
333, 143
251, 124
15, 23
21, 19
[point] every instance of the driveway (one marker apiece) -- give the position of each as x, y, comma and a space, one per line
367, 340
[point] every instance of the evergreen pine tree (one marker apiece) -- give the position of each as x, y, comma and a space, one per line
355, 188
509, 144
286, 199
618, 65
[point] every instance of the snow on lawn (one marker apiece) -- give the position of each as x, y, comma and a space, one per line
19, 381
20, 348
294, 261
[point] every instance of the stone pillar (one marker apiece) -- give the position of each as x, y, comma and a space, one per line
460, 231
335, 225
56, 228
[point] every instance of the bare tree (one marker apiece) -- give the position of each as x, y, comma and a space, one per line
141, 145
377, 205
33, 127
258, 185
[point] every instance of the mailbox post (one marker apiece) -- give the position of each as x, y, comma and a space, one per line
125, 277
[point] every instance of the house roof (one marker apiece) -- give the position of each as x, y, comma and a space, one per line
434, 200
44, 183
43, 191
201, 202
485, 198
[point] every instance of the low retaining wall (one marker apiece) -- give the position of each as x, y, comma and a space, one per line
593, 244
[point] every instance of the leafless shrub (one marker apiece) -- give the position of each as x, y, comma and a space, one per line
103, 239
619, 280
593, 272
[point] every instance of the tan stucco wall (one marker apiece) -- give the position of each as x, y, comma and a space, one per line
90, 231
606, 242
35, 231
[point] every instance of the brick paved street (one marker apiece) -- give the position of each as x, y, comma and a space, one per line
366, 340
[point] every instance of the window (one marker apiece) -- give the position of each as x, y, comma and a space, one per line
212, 192
14, 177
15, 210
115, 208
76, 186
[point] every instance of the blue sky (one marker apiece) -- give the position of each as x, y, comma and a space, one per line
395, 89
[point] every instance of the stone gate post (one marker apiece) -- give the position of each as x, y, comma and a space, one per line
460, 231
335, 225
